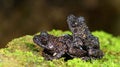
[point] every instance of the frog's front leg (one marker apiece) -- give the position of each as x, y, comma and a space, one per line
95, 53
58, 55
47, 56
50, 56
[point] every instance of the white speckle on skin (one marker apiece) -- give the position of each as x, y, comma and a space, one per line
51, 46
76, 23
54, 54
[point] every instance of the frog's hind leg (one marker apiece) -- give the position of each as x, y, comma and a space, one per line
95, 53
77, 52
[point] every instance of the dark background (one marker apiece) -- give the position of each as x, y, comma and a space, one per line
22, 17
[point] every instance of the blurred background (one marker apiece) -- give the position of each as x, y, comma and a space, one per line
22, 17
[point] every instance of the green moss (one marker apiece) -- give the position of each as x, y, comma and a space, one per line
22, 52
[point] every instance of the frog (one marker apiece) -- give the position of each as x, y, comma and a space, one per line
55, 47
83, 38
81, 44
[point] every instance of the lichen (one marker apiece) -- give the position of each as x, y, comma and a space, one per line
22, 52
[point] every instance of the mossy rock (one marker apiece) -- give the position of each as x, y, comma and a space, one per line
22, 52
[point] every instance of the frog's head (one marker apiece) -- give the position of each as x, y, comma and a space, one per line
42, 39
76, 24
74, 21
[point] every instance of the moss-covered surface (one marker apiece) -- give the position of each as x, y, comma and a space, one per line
22, 52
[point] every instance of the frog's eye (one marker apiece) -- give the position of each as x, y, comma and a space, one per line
43, 38
45, 34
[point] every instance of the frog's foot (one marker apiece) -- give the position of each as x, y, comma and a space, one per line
95, 53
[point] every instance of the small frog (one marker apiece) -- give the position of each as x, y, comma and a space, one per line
82, 37
81, 44
53, 47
